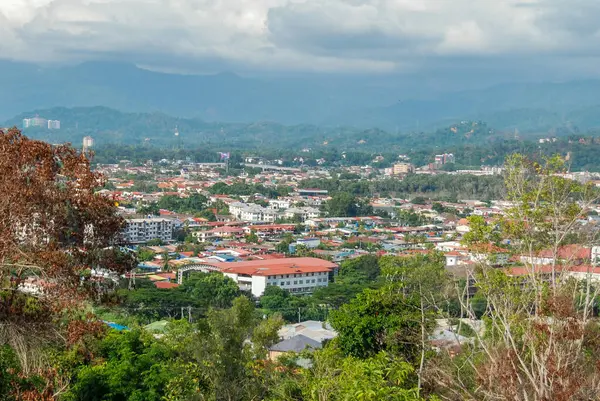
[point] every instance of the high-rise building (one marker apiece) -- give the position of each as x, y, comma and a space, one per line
53, 124
88, 142
35, 122
445, 158
139, 230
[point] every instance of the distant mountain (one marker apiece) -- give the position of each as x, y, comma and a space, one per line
527, 107
220, 97
109, 126
395, 103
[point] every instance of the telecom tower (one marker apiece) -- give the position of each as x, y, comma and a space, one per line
177, 137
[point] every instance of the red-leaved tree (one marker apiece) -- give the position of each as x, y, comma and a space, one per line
55, 230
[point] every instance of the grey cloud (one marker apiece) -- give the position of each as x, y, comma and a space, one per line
305, 35
318, 30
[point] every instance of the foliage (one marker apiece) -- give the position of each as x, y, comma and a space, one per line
199, 292
335, 377
55, 229
343, 204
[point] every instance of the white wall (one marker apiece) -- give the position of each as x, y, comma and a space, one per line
259, 283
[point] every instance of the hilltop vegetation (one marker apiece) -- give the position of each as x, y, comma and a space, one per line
141, 135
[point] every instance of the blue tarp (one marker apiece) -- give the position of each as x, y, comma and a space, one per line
115, 326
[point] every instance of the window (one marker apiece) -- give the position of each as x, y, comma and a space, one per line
295, 282
282, 283
301, 281
288, 283
313, 280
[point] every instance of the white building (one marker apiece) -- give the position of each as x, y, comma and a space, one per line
252, 212
145, 229
297, 275
88, 142
53, 124
280, 203
595, 255
305, 213
34, 122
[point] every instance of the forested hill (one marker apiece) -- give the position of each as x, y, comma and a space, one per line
111, 126
473, 142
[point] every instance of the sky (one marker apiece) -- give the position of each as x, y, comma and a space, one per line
554, 39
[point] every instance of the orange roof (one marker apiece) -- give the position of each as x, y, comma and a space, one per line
165, 285
276, 266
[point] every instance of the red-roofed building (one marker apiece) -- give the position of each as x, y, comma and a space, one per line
297, 275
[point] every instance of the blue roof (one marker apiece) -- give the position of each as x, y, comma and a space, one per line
116, 326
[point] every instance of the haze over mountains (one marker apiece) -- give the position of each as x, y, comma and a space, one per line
399, 103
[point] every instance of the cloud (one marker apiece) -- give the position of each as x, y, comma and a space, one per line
300, 35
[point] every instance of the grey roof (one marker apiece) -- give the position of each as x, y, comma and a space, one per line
296, 344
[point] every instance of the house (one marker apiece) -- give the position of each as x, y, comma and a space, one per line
571, 254
305, 213
218, 232
316, 330
297, 343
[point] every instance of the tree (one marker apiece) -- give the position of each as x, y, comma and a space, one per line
149, 209
222, 348
334, 376
252, 238
145, 254
135, 368
539, 325
344, 204
376, 321
155, 242
418, 200
55, 229
212, 289
437, 207
360, 270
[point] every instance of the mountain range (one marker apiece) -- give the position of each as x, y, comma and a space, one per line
393, 103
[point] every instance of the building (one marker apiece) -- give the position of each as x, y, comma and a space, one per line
218, 233
442, 159
297, 275
402, 168
310, 192
53, 124
141, 230
295, 344
304, 213
35, 122
252, 212
88, 142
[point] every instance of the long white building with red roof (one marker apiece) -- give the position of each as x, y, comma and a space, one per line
297, 275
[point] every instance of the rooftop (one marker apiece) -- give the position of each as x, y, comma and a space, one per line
276, 266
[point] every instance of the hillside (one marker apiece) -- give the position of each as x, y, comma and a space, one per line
112, 126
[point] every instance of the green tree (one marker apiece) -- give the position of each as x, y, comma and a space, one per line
145, 254
222, 348
376, 321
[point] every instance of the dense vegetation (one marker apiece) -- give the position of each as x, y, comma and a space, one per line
144, 137
443, 186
